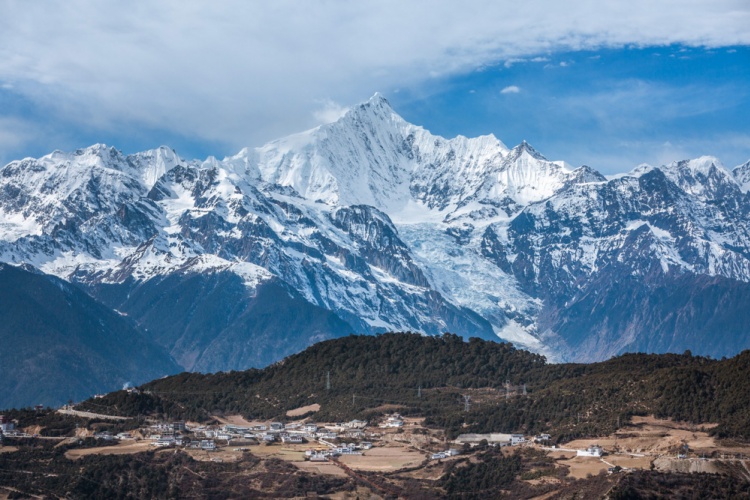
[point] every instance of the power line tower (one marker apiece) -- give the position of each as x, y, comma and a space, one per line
419, 392
467, 402
507, 389
524, 390
328, 380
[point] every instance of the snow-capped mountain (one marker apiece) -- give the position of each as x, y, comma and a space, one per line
370, 224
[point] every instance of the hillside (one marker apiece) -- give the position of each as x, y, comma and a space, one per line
59, 344
428, 376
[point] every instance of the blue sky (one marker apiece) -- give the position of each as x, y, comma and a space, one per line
610, 86
610, 108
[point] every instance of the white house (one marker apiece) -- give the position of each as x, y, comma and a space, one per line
437, 456
291, 438
310, 427
326, 435
592, 451
6, 424
517, 439
164, 442
208, 444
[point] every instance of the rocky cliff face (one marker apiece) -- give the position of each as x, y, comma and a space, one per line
371, 224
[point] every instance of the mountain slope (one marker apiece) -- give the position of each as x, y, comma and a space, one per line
371, 224
59, 344
210, 321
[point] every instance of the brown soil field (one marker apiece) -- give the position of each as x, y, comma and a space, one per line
384, 459
629, 462
219, 455
321, 468
236, 420
286, 452
652, 436
123, 448
686, 465
359, 493
580, 467
8, 449
302, 410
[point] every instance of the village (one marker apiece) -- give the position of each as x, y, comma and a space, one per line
391, 442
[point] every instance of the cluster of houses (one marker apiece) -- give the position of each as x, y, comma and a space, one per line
323, 454
393, 421
205, 437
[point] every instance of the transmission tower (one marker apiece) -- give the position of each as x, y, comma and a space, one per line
467, 402
328, 380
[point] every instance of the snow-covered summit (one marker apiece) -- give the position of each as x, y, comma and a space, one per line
382, 224
704, 177
373, 156
741, 174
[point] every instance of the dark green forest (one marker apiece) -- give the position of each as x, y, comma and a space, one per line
430, 377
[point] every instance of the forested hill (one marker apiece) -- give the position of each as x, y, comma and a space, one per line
430, 376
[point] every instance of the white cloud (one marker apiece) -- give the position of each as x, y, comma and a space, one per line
511, 89
329, 112
510, 62
244, 72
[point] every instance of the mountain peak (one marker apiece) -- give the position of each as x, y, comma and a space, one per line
378, 98
525, 147
375, 108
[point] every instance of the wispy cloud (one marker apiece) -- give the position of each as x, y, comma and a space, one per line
244, 72
511, 89
329, 112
